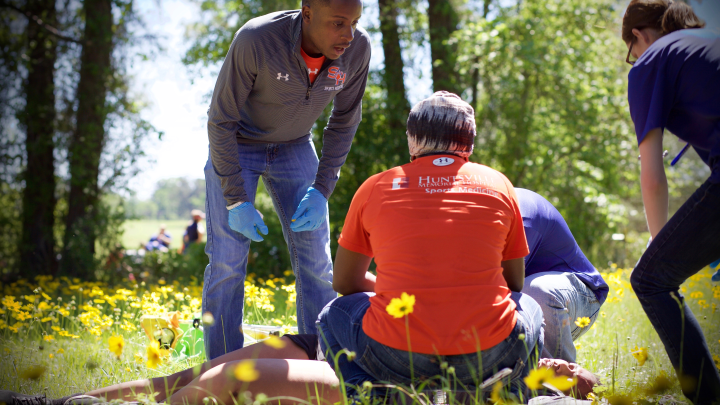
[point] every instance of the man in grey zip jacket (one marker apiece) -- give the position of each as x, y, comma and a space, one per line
262, 110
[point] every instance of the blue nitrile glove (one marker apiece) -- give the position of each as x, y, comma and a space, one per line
245, 219
715, 266
311, 212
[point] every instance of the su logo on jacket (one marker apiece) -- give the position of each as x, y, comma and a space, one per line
335, 73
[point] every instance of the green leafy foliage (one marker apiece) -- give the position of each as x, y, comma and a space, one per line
552, 113
219, 21
173, 198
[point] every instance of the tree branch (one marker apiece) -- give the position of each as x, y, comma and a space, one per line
37, 20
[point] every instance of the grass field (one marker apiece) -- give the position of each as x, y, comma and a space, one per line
54, 333
139, 231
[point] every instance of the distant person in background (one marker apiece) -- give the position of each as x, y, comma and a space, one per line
195, 231
160, 242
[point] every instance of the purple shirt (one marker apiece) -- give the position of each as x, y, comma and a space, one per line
552, 245
676, 85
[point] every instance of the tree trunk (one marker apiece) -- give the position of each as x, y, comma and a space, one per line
87, 142
475, 76
443, 21
37, 244
393, 77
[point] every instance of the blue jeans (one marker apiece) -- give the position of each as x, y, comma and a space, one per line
563, 298
686, 244
340, 327
287, 171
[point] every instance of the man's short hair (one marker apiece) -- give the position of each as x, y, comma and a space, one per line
441, 123
312, 3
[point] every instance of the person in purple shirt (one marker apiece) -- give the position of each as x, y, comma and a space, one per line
558, 276
675, 84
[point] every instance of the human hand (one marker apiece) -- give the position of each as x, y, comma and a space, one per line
246, 220
311, 212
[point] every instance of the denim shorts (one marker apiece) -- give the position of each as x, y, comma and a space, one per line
340, 327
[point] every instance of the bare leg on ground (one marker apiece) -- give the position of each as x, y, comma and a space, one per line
283, 381
167, 385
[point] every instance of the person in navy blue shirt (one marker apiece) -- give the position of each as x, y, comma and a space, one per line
558, 276
675, 84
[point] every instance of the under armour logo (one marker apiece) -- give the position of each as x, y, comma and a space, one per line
313, 72
286, 77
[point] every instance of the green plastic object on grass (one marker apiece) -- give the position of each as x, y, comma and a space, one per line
191, 343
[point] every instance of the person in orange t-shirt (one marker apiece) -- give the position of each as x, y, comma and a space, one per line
448, 235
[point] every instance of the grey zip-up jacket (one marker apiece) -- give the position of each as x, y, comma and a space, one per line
263, 95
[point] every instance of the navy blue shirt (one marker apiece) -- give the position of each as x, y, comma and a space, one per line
552, 246
676, 85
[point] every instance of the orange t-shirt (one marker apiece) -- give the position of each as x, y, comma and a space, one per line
313, 64
439, 228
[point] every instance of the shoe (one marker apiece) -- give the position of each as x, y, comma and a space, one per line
82, 400
558, 401
14, 398
585, 379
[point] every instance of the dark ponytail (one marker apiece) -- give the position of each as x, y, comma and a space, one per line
661, 15
680, 16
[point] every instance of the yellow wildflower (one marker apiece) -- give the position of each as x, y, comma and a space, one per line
496, 398
138, 358
60, 351
49, 338
640, 354
9, 302
245, 371
116, 345
274, 342
582, 322
22, 315
399, 307
539, 376
153, 355
51, 355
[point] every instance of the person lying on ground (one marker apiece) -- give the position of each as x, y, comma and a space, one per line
558, 276
281, 367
